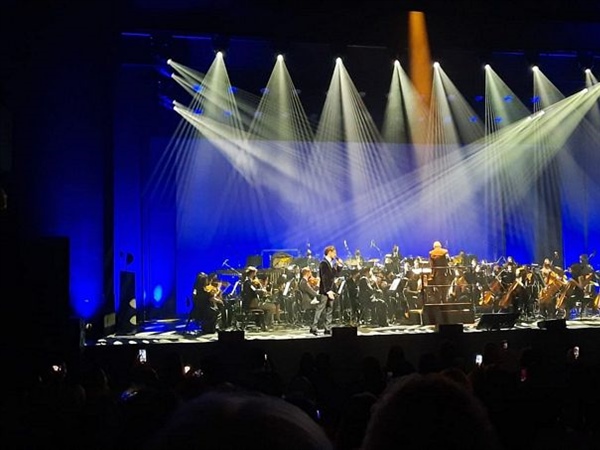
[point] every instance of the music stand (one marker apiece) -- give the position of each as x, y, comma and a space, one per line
423, 271
395, 284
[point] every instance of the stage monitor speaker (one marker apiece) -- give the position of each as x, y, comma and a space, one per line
552, 325
231, 336
344, 332
127, 313
447, 313
449, 329
497, 321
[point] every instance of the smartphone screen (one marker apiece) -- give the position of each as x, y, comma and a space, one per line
142, 357
478, 359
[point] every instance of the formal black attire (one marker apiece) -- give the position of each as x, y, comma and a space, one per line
251, 300
373, 307
308, 294
328, 271
203, 311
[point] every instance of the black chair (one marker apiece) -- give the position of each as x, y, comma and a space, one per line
245, 317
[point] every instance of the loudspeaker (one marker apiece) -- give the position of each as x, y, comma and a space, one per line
344, 332
231, 336
553, 325
449, 329
127, 313
497, 321
447, 313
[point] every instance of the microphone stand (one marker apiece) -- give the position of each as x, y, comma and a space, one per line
237, 272
231, 309
378, 249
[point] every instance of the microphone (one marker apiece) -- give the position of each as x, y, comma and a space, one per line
225, 262
372, 243
345, 244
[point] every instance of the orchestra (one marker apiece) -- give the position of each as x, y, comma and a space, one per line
384, 294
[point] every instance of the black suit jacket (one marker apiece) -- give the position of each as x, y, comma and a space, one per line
327, 275
307, 292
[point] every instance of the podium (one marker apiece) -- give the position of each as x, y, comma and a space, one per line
447, 313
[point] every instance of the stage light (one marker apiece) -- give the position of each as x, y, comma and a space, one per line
534, 68
436, 65
232, 89
487, 66
338, 60
169, 61
279, 58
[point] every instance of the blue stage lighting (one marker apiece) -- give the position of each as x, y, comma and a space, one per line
508, 98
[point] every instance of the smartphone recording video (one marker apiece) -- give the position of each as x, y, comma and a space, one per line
478, 359
142, 357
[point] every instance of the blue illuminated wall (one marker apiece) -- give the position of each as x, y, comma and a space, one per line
171, 238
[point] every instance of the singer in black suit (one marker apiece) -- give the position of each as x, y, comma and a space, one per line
329, 268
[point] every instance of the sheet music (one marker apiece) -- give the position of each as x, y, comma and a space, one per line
395, 284
341, 289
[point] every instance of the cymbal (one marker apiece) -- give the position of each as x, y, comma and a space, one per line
373, 260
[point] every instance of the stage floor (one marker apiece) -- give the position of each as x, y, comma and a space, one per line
173, 331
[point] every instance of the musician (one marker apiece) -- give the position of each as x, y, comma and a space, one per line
582, 273
254, 296
330, 268
206, 304
508, 274
441, 277
393, 261
370, 298
413, 290
547, 271
308, 291
524, 294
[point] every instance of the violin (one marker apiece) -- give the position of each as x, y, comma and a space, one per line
314, 282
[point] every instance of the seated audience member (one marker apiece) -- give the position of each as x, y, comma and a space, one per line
429, 411
240, 419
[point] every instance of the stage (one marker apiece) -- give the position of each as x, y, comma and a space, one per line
347, 346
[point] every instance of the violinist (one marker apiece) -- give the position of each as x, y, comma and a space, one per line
254, 296
205, 310
309, 289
